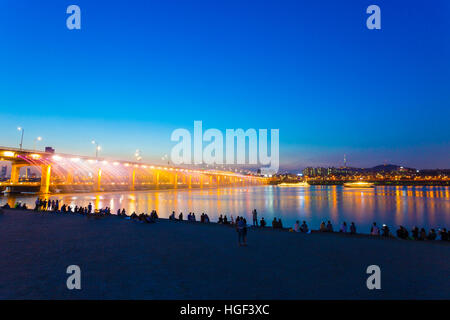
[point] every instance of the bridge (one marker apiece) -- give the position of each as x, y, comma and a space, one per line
74, 173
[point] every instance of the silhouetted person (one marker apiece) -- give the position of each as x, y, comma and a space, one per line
329, 227
352, 228
415, 233
255, 218
262, 223
374, 230
304, 227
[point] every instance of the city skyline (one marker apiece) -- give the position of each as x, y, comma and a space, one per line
132, 75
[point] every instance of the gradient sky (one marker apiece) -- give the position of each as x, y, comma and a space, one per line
137, 70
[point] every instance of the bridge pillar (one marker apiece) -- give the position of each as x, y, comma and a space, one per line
69, 177
99, 180
46, 172
175, 180
133, 180
201, 181
210, 181
190, 182
157, 180
15, 173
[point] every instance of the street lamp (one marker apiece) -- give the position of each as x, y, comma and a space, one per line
36, 140
97, 148
166, 157
21, 139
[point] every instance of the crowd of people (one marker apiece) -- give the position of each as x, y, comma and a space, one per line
240, 223
384, 231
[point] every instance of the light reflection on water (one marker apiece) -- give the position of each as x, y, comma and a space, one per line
409, 206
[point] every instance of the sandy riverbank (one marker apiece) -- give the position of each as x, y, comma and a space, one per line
122, 259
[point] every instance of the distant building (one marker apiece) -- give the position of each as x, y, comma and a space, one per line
3, 172
49, 149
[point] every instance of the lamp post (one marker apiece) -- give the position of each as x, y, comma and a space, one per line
97, 147
166, 157
21, 139
35, 142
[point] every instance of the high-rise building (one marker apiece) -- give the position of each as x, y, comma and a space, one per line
3, 172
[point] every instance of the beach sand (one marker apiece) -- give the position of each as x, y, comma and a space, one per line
123, 259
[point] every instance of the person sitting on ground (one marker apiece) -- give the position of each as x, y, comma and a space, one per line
220, 219
180, 216
374, 230
280, 224
422, 234
343, 227
172, 216
206, 218
193, 216
296, 227
385, 231
225, 220
444, 234
352, 228
415, 233
304, 227
432, 235
329, 226
323, 228
402, 233
6, 206
262, 222
274, 223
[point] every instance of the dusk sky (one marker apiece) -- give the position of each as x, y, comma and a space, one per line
137, 70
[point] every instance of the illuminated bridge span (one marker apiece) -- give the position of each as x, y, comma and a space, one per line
71, 173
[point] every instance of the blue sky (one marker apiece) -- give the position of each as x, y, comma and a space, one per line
137, 70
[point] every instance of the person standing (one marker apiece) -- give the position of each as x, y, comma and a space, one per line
255, 218
240, 228
352, 228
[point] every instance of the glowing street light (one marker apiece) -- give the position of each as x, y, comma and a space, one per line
36, 140
21, 139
